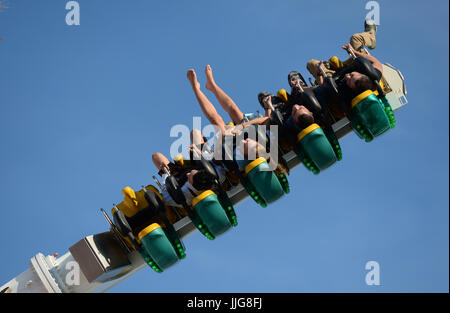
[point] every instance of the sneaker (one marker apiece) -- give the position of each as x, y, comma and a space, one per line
369, 25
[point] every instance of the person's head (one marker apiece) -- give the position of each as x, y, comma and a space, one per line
294, 77
262, 97
200, 179
359, 82
302, 116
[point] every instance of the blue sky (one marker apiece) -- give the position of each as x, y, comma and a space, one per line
82, 108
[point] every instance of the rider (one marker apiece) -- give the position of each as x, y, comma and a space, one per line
349, 85
367, 38
357, 42
236, 115
295, 117
192, 180
354, 83
239, 119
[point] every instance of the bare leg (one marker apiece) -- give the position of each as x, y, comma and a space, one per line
197, 144
207, 107
197, 137
225, 101
160, 160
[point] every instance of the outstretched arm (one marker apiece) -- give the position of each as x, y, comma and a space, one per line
320, 77
259, 121
267, 104
264, 120
375, 62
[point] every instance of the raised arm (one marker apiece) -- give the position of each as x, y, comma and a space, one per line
264, 120
375, 62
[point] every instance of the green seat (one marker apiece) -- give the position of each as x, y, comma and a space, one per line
211, 212
158, 251
388, 110
369, 115
314, 149
265, 182
248, 186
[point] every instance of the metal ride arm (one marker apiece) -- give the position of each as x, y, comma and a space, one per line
99, 262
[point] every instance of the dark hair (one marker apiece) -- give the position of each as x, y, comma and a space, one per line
203, 180
304, 121
261, 97
295, 73
363, 84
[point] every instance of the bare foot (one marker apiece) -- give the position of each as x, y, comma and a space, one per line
193, 79
210, 84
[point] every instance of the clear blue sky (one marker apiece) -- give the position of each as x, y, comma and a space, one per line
82, 108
